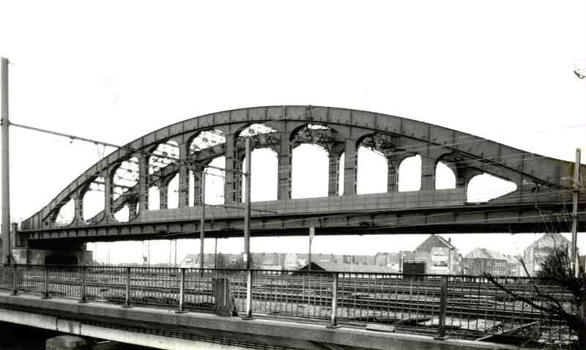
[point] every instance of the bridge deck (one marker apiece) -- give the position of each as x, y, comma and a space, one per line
170, 330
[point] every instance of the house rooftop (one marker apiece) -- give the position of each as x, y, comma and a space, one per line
434, 241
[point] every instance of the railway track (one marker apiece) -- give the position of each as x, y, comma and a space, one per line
356, 300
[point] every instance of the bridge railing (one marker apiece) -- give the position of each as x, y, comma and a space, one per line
469, 307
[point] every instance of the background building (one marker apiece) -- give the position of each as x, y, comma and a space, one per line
536, 253
482, 260
435, 255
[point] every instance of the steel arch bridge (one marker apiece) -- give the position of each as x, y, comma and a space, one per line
540, 202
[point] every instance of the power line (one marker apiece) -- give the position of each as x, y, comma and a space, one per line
98, 142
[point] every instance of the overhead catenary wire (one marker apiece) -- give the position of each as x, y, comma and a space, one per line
98, 142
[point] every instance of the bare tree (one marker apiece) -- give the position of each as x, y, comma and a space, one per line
557, 270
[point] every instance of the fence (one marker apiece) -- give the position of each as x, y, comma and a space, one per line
469, 307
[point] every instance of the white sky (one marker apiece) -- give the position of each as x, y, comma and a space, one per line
116, 71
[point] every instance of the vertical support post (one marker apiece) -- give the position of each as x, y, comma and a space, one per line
574, 257
45, 294
333, 173
216, 253
196, 186
82, 292
143, 182
183, 176
230, 176
5, 165
247, 256
163, 195
181, 290
441, 329
334, 316
175, 252
248, 314
311, 234
12, 240
284, 168
392, 174
127, 289
108, 192
78, 206
427, 173
247, 175
202, 221
350, 167
15, 280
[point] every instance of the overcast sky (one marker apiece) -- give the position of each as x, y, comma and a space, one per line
115, 71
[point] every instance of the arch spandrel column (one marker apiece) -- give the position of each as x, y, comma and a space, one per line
78, 207
143, 182
284, 168
197, 184
163, 195
230, 181
132, 210
334, 153
350, 165
427, 173
183, 176
108, 192
333, 173
393, 174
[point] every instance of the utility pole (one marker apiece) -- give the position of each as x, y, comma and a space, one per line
247, 257
247, 182
311, 234
202, 220
574, 257
216, 253
5, 166
175, 251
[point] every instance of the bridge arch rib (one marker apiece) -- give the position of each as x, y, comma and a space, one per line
467, 155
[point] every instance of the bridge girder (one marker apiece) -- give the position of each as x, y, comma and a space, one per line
337, 130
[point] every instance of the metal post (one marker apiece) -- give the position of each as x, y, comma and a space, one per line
175, 250
5, 165
82, 292
202, 221
45, 282
574, 257
181, 289
311, 234
12, 241
15, 280
334, 317
216, 253
441, 330
247, 257
127, 289
248, 295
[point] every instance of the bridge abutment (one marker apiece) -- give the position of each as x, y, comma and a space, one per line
31, 256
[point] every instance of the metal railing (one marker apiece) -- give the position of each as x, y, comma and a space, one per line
469, 307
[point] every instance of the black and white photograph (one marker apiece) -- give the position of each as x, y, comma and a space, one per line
293, 175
